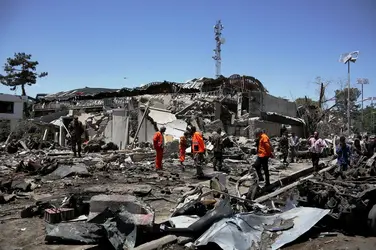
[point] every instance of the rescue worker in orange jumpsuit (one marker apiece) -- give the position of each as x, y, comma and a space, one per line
182, 148
264, 152
158, 143
198, 151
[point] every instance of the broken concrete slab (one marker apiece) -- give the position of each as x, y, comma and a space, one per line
138, 209
65, 171
21, 185
121, 188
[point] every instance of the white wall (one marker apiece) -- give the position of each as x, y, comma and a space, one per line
147, 129
17, 109
117, 128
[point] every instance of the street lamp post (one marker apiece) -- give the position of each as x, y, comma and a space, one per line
362, 81
348, 58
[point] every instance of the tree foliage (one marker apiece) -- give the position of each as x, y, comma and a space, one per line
370, 119
20, 71
305, 101
342, 104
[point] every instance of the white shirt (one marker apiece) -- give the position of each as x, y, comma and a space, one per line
317, 146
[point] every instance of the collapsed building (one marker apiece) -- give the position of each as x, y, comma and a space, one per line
238, 104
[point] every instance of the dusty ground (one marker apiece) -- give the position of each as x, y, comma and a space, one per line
339, 242
29, 233
18, 233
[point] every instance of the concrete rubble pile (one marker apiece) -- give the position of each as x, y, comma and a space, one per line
115, 200
112, 197
349, 196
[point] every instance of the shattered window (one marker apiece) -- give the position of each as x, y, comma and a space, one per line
7, 107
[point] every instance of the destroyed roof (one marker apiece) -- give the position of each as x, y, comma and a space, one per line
275, 117
65, 95
243, 82
246, 82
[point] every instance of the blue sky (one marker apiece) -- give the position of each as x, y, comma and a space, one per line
285, 44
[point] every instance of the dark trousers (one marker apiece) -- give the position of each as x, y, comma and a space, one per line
343, 167
293, 153
198, 161
217, 160
76, 142
262, 162
315, 161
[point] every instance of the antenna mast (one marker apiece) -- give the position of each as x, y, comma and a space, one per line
219, 41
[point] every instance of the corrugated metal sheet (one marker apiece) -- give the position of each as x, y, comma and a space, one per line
246, 231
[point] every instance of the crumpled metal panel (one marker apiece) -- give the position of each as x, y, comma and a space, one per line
247, 231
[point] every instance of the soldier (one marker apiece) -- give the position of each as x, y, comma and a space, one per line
218, 150
284, 146
76, 130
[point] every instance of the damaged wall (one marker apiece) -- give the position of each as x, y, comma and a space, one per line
117, 128
273, 128
268, 103
157, 118
12, 108
147, 129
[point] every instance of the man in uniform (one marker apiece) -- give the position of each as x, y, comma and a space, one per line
182, 148
218, 149
198, 151
284, 146
158, 143
76, 129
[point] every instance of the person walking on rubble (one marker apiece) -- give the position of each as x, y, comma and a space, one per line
217, 142
317, 145
294, 144
368, 146
358, 151
198, 151
158, 143
182, 148
76, 129
264, 152
343, 152
284, 146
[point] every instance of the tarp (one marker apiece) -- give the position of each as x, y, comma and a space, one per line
250, 231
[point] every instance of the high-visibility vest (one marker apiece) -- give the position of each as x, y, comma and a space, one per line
198, 145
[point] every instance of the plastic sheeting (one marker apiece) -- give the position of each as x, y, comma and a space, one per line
249, 231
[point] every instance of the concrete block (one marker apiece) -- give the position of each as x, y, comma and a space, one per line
157, 244
141, 213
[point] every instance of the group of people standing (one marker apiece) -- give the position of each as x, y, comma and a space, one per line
361, 149
347, 155
198, 149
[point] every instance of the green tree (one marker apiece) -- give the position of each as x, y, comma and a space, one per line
370, 119
342, 104
20, 71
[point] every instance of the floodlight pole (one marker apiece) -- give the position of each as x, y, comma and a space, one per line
348, 96
362, 81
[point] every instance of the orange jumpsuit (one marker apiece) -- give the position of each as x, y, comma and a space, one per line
198, 150
158, 146
182, 148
